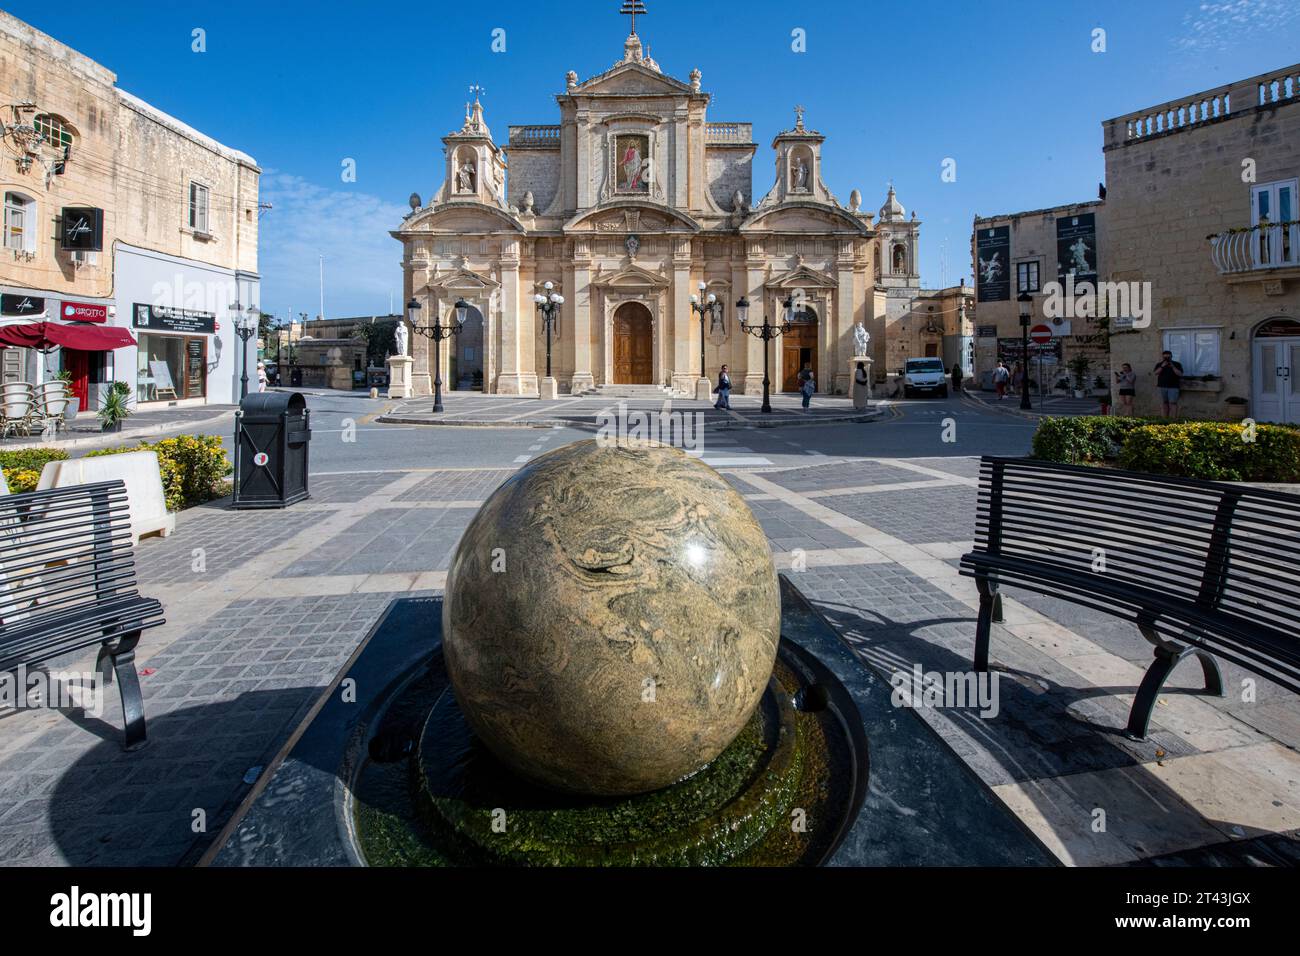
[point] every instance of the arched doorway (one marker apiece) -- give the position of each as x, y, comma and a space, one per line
466, 370
1275, 371
799, 350
633, 345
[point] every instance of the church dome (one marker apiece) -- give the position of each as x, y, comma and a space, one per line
892, 210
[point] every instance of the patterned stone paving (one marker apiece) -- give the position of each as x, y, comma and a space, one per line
217, 540
225, 690
387, 541
456, 486
220, 702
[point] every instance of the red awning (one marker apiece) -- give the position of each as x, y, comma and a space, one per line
44, 336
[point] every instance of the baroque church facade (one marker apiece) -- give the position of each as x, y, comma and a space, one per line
631, 205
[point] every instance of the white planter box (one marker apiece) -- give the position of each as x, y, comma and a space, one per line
144, 490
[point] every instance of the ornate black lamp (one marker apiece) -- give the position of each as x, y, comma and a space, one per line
767, 332
548, 304
1026, 313
707, 308
438, 333
245, 327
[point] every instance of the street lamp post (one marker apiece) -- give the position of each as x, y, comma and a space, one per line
766, 332
1026, 311
438, 333
548, 304
706, 306
245, 326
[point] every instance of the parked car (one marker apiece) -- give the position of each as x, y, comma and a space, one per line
925, 376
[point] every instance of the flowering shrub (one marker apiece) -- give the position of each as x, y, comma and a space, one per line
22, 469
1214, 451
193, 468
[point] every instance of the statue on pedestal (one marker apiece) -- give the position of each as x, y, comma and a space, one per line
401, 337
861, 339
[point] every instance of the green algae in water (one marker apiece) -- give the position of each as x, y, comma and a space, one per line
737, 811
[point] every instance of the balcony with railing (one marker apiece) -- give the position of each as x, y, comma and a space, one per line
1277, 88
728, 134
544, 136
1257, 249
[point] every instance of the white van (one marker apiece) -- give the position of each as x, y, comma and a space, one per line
925, 376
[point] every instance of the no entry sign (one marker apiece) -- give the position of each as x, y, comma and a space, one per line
1040, 335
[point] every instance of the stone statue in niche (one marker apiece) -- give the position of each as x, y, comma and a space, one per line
799, 175
861, 339
465, 177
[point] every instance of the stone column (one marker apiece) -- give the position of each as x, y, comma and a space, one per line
422, 349
517, 332
841, 346
581, 312
752, 288
678, 321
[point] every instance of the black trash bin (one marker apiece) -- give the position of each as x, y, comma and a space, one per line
272, 432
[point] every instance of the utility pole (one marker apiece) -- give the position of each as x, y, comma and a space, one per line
322, 288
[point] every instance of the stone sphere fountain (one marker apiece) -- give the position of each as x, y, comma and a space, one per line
611, 618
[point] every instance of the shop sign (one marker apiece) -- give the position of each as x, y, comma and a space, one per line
158, 318
83, 312
23, 305
83, 229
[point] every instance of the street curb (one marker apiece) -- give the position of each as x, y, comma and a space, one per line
112, 437
727, 425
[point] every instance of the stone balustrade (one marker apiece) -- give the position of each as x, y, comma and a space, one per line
534, 136
725, 134
1267, 89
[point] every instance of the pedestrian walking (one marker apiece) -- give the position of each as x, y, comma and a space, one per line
1169, 383
861, 386
723, 390
807, 386
261, 376
1001, 376
956, 378
1126, 382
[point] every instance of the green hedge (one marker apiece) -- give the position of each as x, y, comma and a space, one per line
22, 468
1088, 439
193, 468
1214, 451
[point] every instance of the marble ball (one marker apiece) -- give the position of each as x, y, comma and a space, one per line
611, 618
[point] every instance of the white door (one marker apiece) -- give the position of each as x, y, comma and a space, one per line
1277, 380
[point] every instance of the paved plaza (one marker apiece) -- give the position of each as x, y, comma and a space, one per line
869, 519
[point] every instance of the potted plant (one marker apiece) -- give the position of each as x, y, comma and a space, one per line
74, 403
115, 407
1236, 407
1080, 366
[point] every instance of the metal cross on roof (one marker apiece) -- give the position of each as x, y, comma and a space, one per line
477, 91
630, 9
798, 116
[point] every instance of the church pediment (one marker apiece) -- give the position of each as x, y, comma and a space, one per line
631, 78
460, 281
801, 277
631, 276
457, 218
631, 218
803, 217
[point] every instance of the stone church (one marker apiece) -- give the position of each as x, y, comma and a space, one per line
631, 205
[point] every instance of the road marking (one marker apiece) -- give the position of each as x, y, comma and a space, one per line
523, 459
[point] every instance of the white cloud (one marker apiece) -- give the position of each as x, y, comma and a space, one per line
1223, 23
349, 228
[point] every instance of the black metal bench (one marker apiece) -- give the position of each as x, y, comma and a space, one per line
1202, 568
67, 582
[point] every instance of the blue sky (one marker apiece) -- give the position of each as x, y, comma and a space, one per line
1010, 90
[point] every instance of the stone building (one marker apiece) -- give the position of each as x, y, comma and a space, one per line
1202, 205
1045, 253
119, 217
631, 205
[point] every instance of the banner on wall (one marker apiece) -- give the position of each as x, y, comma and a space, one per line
1076, 249
993, 250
